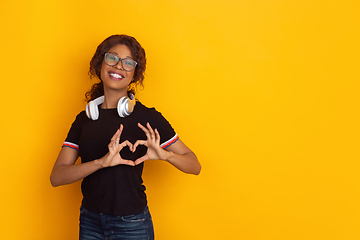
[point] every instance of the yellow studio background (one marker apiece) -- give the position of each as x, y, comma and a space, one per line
265, 92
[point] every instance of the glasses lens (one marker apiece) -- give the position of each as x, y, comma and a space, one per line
111, 59
128, 64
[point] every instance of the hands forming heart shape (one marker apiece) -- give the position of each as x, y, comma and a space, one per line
154, 151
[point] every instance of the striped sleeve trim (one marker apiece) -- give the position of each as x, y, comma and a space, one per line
170, 141
71, 145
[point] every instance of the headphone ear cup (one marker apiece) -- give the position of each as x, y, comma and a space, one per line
131, 105
87, 111
92, 110
121, 107
126, 106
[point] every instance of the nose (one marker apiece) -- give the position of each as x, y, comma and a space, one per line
118, 66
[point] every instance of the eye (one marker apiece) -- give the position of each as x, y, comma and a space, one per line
129, 62
112, 57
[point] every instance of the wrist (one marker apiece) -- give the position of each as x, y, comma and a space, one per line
169, 156
99, 163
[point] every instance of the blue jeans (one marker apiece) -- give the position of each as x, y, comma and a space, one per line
95, 225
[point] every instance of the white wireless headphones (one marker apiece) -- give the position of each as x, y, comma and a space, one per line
125, 106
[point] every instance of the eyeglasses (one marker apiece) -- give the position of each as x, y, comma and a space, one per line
128, 64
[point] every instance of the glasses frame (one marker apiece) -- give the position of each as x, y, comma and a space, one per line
118, 60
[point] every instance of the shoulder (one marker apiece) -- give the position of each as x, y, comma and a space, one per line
80, 118
150, 112
140, 106
144, 110
154, 116
82, 115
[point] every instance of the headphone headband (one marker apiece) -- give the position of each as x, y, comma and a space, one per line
125, 106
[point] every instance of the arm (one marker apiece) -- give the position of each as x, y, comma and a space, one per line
181, 157
65, 171
178, 154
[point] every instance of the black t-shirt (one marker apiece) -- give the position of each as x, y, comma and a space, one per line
117, 190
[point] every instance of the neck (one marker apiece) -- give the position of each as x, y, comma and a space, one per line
112, 98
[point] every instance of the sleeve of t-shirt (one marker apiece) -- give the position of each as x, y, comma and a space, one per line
167, 134
72, 139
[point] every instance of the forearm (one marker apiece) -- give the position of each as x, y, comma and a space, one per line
187, 163
66, 174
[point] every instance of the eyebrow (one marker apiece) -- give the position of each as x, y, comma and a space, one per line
118, 55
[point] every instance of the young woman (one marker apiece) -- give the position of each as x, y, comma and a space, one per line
113, 137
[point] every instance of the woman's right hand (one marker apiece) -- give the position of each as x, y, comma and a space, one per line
114, 158
65, 170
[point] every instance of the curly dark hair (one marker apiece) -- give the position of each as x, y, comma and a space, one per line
138, 54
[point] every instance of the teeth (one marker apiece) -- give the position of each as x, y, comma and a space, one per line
115, 75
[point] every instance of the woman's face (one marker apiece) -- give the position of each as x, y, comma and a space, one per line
115, 77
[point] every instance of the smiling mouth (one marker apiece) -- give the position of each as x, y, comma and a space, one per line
116, 76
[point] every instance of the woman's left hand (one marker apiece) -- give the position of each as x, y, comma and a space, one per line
154, 152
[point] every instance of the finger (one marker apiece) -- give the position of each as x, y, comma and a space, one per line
157, 134
140, 160
137, 143
147, 133
112, 148
126, 143
128, 162
152, 134
115, 136
121, 128
142, 127
120, 131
